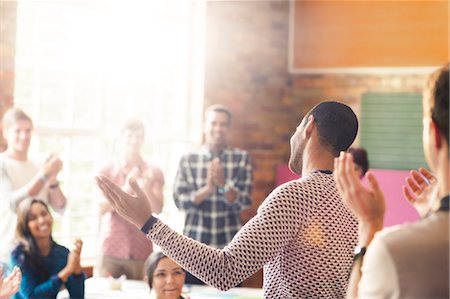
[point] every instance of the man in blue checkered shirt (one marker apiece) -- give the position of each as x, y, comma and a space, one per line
213, 183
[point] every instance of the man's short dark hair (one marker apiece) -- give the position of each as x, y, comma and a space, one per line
219, 108
360, 157
337, 125
438, 86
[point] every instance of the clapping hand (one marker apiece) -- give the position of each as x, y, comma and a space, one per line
52, 167
366, 203
11, 284
421, 190
134, 173
218, 174
134, 208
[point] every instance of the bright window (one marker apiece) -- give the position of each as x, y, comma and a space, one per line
82, 67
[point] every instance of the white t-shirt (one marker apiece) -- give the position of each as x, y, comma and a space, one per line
15, 177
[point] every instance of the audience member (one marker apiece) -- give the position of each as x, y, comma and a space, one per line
24, 177
165, 277
46, 266
124, 250
213, 185
303, 234
10, 285
409, 260
361, 160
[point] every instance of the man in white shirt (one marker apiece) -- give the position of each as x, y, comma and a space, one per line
410, 260
22, 177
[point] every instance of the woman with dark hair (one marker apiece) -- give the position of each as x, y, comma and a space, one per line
46, 266
361, 160
24, 176
164, 276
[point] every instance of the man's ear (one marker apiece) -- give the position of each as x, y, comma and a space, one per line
436, 135
309, 126
4, 132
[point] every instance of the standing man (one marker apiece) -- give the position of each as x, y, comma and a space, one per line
213, 185
410, 260
22, 176
124, 250
303, 235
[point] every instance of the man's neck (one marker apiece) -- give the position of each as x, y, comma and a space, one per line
319, 159
20, 156
131, 160
216, 148
443, 176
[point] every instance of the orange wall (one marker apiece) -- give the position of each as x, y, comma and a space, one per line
329, 34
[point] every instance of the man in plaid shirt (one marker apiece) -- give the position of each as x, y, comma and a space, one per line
213, 184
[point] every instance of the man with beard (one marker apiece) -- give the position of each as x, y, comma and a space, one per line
409, 260
213, 185
303, 235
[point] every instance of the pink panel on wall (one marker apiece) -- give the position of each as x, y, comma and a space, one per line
391, 181
284, 175
398, 210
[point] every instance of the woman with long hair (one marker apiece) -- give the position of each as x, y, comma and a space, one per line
46, 266
24, 176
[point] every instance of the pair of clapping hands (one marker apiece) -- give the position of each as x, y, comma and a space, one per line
73, 265
368, 203
52, 167
215, 173
145, 178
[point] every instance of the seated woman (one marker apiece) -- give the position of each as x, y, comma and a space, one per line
165, 277
46, 266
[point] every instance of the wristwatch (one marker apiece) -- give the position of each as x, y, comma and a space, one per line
225, 188
359, 252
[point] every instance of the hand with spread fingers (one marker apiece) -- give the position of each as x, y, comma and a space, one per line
134, 208
366, 203
421, 190
11, 284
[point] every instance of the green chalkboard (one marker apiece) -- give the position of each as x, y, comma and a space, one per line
391, 130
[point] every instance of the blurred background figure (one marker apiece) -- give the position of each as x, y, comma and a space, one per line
213, 185
124, 249
46, 266
23, 177
165, 277
361, 160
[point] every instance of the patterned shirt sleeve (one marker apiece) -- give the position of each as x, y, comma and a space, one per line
260, 241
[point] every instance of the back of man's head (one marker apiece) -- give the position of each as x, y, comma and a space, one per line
438, 88
337, 125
